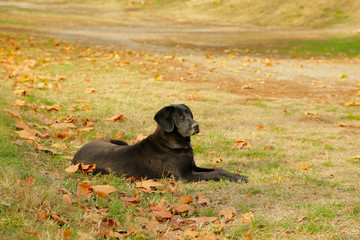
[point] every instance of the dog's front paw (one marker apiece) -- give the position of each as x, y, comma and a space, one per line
242, 179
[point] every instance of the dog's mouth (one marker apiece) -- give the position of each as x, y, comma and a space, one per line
195, 129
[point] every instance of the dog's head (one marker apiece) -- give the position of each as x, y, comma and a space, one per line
179, 118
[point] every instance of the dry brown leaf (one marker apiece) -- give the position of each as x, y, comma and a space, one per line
103, 190
41, 147
28, 182
203, 199
84, 169
217, 160
304, 167
66, 198
115, 118
131, 199
83, 191
228, 213
149, 185
186, 199
260, 127
58, 219
181, 208
32, 233
42, 215
191, 234
248, 236
25, 133
19, 103
242, 144
247, 217
12, 113
139, 138
106, 226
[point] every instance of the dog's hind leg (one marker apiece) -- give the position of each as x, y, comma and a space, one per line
118, 142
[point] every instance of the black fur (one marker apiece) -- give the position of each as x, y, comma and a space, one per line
166, 152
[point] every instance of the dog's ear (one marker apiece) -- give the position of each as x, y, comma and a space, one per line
164, 118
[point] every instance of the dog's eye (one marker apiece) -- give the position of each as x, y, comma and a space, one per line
179, 116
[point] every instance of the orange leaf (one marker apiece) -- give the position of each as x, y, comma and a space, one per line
149, 185
191, 234
27, 134
186, 199
304, 167
13, 113
249, 193
241, 144
42, 215
216, 159
115, 118
247, 217
260, 127
28, 182
102, 190
83, 191
85, 169
32, 233
131, 199
19, 103
181, 208
228, 213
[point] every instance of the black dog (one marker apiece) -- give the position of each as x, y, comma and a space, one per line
164, 153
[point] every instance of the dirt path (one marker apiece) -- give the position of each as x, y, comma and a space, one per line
330, 81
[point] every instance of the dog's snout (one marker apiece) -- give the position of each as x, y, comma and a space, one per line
196, 127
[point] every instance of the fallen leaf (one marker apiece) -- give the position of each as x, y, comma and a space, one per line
181, 208
149, 185
84, 169
90, 90
27, 134
228, 213
32, 233
131, 199
67, 234
246, 87
106, 225
59, 145
248, 236
311, 114
139, 138
28, 182
304, 167
41, 147
42, 215
343, 76
260, 127
86, 129
19, 103
203, 199
242, 143
103, 190
66, 198
58, 219
249, 193
300, 218
186, 199
115, 118
216, 159
191, 234
161, 215
247, 217
83, 191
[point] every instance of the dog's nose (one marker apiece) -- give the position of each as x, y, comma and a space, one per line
196, 127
